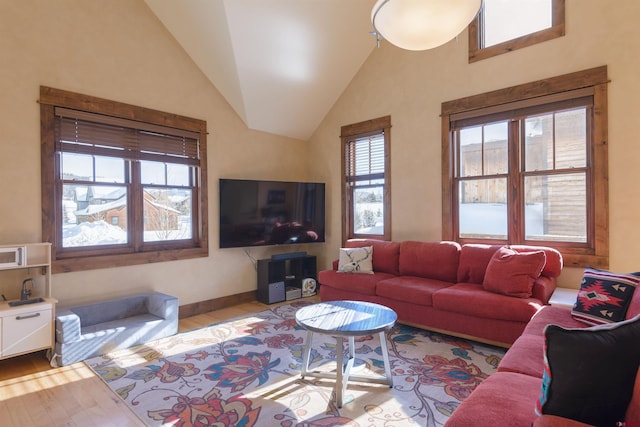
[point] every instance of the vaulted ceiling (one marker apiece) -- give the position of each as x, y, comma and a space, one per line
281, 64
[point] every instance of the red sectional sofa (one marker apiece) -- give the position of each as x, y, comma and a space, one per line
439, 286
509, 396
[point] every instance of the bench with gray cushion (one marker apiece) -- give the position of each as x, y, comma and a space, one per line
89, 330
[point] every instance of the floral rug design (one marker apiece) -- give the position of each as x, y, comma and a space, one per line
246, 372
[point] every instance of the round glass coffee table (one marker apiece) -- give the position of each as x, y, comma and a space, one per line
349, 319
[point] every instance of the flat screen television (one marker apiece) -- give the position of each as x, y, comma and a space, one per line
260, 213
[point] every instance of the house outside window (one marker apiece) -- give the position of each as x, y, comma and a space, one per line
502, 26
121, 184
530, 169
366, 184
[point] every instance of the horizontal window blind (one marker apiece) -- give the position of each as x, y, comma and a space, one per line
89, 133
365, 158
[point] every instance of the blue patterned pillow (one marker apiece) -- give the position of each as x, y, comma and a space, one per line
604, 297
590, 373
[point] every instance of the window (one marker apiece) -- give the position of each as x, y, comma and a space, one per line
121, 185
528, 165
366, 185
502, 26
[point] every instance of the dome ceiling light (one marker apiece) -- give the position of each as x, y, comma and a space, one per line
421, 24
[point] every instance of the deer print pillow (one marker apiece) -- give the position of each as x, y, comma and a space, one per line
356, 260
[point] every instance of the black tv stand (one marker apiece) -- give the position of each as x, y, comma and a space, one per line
281, 279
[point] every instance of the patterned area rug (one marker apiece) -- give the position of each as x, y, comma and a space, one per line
246, 372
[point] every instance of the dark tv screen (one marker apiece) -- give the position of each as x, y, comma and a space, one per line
260, 213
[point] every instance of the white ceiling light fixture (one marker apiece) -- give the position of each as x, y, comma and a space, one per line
421, 24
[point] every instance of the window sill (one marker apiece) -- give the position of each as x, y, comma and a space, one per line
110, 261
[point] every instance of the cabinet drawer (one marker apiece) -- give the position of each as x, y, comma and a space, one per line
27, 331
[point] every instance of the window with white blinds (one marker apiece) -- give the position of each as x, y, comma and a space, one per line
365, 158
365, 183
122, 185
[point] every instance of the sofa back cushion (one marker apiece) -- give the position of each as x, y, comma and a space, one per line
433, 260
513, 273
553, 258
474, 259
116, 309
385, 254
634, 306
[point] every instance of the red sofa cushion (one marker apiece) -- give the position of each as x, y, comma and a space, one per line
505, 398
433, 260
385, 254
513, 273
358, 283
553, 258
525, 356
551, 315
471, 299
416, 290
634, 306
474, 259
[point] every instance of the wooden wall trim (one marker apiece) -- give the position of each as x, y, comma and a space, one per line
200, 307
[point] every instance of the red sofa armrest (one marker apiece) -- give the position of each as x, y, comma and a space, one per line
543, 287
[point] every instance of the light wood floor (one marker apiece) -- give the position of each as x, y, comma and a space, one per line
32, 393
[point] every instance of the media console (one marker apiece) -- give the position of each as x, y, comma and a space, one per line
282, 277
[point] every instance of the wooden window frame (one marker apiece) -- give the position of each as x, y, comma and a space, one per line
596, 252
110, 256
349, 133
476, 35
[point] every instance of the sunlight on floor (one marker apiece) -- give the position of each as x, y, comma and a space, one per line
26, 384
199, 339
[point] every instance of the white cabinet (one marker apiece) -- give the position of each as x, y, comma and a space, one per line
25, 328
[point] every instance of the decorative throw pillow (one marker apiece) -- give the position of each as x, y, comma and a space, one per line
590, 372
604, 296
513, 273
356, 260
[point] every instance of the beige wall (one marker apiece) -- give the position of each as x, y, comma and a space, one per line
118, 50
410, 86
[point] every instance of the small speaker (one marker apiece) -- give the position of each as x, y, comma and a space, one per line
308, 287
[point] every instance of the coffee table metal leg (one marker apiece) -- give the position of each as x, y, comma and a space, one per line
385, 358
339, 371
306, 354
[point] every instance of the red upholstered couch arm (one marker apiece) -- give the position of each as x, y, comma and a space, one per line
543, 287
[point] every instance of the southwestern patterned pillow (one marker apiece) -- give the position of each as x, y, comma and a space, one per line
604, 297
